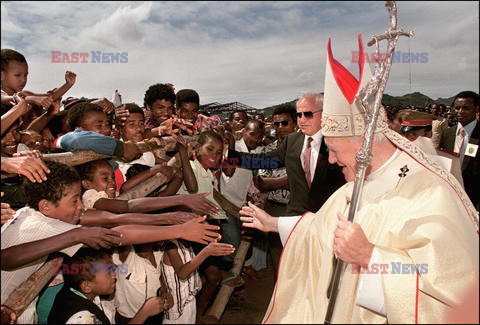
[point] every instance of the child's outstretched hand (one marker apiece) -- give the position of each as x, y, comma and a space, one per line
70, 78
154, 306
181, 144
219, 249
167, 300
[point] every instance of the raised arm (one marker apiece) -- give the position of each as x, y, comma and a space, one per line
188, 174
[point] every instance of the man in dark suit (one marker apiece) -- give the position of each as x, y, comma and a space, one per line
311, 178
463, 139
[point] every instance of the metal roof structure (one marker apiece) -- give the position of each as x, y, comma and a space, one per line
217, 108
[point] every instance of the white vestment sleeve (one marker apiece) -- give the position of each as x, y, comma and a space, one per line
370, 289
285, 226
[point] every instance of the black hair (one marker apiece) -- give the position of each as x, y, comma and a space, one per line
8, 55
257, 123
77, 112
286, 109
187, 96
87, 170
202, 139
135, 169
134, 108
158, 91
84, 256
230, 117
467, 94
53, 189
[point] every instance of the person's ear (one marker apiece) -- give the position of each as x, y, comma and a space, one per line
86, 184
86, 287
45, 207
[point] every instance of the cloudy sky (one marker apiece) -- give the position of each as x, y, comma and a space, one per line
257, 53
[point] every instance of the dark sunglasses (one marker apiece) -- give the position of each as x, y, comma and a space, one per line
307, 115
284, 123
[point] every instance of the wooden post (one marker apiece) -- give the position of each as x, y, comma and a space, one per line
25, 293
74, 158
226, 204
215, 312
145, 188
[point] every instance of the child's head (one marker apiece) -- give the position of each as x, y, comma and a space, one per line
33, 140
135, 169
238, 120
187, 104
10, 140
96, 272
98, 175
14, 71
59, 196
210, 149
159, 99
134, 125
89, 117
253, 135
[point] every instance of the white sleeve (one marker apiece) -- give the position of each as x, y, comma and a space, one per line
370, 288
285, 226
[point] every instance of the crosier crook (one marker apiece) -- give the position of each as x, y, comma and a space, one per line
375, 86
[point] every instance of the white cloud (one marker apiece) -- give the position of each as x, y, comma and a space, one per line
258, 53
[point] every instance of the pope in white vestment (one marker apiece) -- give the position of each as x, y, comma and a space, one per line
417, 216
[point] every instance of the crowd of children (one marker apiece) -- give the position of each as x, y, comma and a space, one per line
158, 258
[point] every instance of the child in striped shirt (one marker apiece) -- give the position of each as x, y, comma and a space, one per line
179, 273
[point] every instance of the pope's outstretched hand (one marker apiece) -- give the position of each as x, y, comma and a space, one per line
258, 219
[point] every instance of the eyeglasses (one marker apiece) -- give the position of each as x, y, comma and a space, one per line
277, 124
308, 114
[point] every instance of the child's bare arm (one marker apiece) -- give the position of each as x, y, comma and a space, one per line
174, 185
14, 113
147, 204
95, 237
183, 271
188, 174
151, 307
70, 79
193, 230
8, 99
41, 122
93, 217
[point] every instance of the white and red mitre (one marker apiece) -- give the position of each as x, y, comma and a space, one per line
342, 116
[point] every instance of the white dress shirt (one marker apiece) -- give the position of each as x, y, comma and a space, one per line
235, 188
317, 141
468, 133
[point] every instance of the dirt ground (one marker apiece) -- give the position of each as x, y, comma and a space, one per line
249, 305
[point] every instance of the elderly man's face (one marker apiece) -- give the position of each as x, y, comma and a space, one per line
310, 121
342, 151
